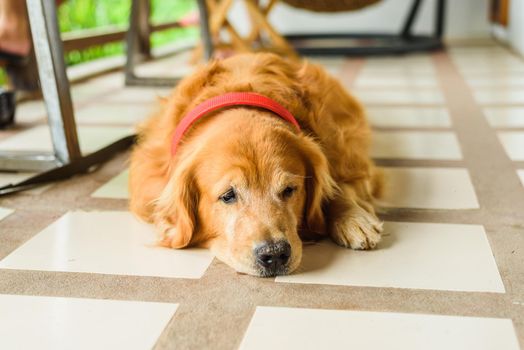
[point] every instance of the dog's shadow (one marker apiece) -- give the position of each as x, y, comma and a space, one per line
320, 255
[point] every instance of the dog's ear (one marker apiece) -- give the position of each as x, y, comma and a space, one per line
176, 210
320, 187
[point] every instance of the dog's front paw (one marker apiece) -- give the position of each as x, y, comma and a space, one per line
357, 229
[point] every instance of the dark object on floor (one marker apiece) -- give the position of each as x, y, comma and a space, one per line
23, 72
7, 108
9, 57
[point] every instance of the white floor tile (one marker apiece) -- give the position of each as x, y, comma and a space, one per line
413, 58
115, 188
108, 243
497, 81
398, 67
91, 138
406, 76
138, 95
508, 117
429, 188
411, 255
35, 322
408, 117
482, 68
367, 81
520, 173
513, 142
416, 63
5, 212
95, 88
114, 113
415, 145
494, 96
293, 328
333, 65
174, 66
30, 111
13, 178
414, 97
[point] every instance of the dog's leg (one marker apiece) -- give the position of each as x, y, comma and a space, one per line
351, 217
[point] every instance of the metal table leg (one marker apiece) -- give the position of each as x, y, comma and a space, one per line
53, 79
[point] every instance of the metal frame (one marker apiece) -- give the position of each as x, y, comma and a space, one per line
66, 160
377, 44
138, 38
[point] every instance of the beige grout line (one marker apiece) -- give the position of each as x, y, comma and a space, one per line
479, 143
498, 188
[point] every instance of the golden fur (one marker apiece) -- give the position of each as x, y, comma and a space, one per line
259, 155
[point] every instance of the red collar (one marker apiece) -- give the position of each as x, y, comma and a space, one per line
228, 100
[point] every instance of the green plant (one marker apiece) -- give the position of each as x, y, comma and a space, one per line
86, 14
76, 15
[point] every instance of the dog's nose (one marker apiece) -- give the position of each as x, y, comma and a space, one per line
273, 256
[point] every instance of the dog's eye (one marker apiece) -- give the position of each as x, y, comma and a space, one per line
288, 192
229, 197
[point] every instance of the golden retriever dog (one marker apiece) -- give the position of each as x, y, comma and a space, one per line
244, 182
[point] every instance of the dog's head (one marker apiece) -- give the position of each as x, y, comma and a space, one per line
246, 185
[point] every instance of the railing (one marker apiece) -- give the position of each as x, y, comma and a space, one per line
83, 39
87, 38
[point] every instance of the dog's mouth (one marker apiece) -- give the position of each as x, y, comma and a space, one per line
266, 273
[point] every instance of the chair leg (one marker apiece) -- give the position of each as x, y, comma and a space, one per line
255, 31
53, 79
135, 48
439, 18
406, 30
260, 19
204, 29
132, 42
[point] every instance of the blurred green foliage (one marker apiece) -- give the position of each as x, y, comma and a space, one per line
86, 14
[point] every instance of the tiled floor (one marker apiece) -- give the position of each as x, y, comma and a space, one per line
4, 212
398, 117
115, 188
91, 138
412, 96
415, 145
106, 242
79, 271
510, 117
7, 178
70, 323
521, 175
513, 142
286, 328
411, 258
429, 188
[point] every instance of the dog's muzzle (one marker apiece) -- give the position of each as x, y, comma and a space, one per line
272, 258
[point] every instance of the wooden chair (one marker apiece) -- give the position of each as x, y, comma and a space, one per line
263, 35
